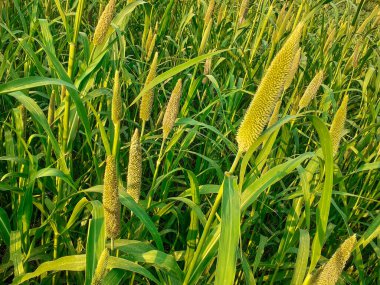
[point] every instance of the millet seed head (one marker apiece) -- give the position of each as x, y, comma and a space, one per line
134, 167
311, 90
147, 97
209, 11
268, 92
101, 268
117, 105
293, 70
111, 202
104, 23
337, 126
330, 272
172, 109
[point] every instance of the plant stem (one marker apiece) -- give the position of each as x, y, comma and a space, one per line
151, 192
116, 138
142, 130
209, 223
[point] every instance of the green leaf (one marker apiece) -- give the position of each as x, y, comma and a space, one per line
371, 233
53, 172
302, 258
15, 253
39, 117
323, 210
96, 240
173, 71
66, 263
230, 232
128, 201
116, 262
275, 174
31, 82
144, 252
75, 214
5, 227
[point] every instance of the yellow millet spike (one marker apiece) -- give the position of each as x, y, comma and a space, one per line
101, 268
117, 105
207, 69
147, 97
172, 109
111, 202
330, 272
311, 90
134, 167
148, 39
293, 70
209, 11
104, 23
151, 47
243, 10
337, 125
268, 92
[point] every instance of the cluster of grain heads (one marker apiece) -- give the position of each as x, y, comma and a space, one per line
147, 97
330, 272
242, 11
311, 90
293, 70
337, 126
111, 202
101, 268
134, 167
151, 42
117, 105
268, 92
172, 110
209, 11
104, 23
207, 69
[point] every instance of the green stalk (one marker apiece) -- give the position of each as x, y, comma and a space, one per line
209, 223
116, 139
142, 130
151, 192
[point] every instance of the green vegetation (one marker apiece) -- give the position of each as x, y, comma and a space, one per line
166, 142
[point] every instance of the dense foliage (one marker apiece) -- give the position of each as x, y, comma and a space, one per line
78, 91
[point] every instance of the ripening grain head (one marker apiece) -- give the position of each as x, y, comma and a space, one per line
172, 109
117, 105
293, 70
329, 40
207, 69
243, 10
205, 36
101, 268
209, 11
151, 47
221, 13
147, 97
330, 272
311, 90
134, 167
148, 39
104, 23
111, 202
337, 125
268, 92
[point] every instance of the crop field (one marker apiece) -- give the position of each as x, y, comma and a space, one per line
190, 142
